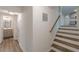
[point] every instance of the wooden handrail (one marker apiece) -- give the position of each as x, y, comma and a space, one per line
54, 24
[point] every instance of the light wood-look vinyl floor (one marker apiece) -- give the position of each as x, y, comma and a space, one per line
10, 45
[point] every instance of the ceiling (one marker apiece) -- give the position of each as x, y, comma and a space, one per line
68, 9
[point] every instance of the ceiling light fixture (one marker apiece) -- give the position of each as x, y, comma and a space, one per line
75, 10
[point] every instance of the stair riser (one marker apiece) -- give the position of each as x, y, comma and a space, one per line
69, 29
66, 46
67, 40
66, 43
70, 38
61, 48
69, 33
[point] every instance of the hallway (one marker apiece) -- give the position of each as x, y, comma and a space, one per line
10, 45
33, 25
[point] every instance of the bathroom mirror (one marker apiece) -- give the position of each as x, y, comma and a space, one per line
7, 21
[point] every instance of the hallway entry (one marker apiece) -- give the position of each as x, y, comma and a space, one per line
10, 34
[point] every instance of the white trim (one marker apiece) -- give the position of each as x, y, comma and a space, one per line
67, 35
69, 28
67, 40
69, 31
65, 46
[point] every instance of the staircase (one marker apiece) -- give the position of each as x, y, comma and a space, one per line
66, 40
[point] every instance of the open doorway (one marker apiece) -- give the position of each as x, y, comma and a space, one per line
10, 33
9, 25
8, 29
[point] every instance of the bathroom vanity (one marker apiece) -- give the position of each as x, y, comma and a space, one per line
7, 32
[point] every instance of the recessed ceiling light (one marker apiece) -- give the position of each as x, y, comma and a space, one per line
12, 13
75, 10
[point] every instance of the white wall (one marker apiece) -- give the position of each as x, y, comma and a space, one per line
41, 34
25, 25
66, 20
34, 33
62, 19
1, 31
15, 27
